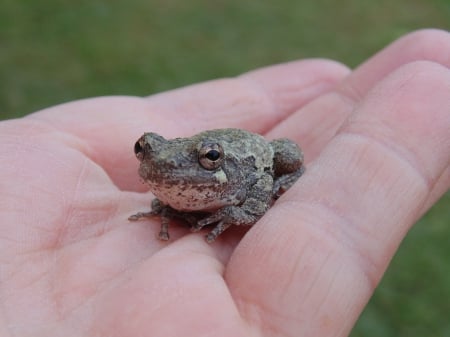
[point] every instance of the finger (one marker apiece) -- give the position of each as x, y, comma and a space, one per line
316, 123
256, 100
110, 126
345, 218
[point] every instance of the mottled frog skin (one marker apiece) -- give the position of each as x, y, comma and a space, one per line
223, 177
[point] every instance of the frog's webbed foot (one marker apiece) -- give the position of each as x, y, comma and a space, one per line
246, 214
140, 215
158, 209
216, 231
224, 218
221, 226
166, 214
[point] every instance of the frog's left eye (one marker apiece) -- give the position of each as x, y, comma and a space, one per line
139, 149
210, 156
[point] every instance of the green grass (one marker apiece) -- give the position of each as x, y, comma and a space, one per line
55, 51
413, 298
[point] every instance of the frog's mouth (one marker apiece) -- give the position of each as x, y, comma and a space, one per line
190, 189
193, 176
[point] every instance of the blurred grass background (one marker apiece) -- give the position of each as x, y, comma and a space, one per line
53, 51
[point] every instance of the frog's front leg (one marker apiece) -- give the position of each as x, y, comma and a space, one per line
255, 205
165, 213
156, 208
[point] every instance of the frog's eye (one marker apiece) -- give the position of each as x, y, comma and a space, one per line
210, 156
139, 149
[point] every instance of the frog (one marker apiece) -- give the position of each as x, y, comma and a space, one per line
219, 177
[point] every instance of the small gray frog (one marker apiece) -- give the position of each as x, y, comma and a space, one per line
223, 177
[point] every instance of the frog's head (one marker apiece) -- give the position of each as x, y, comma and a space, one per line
177, 157
152, 146
186, 173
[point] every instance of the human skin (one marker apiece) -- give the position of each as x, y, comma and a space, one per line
376, 143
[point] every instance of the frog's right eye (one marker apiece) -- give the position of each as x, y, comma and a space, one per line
210, 156
139, 150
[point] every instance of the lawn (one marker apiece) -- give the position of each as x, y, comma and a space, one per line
56, 51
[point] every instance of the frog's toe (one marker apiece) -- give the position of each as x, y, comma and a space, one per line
141, 215
163, 236
210, 238
219, 229
195, 228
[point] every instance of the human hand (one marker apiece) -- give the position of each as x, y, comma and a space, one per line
376, 145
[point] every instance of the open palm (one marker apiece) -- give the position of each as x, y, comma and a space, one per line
376, 144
